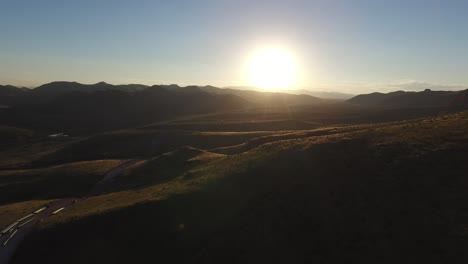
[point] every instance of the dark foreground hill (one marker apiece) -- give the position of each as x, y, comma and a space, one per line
425, 98
387, 193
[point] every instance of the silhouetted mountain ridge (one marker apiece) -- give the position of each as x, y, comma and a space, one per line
9, 94
113, 108
59, 88
426, 98
49, 91
323, 94
266, 98
52, 90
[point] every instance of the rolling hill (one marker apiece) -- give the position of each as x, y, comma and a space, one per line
386, 193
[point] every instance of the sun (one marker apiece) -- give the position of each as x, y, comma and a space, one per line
272, 69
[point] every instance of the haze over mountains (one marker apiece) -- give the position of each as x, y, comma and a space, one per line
11, 95
312, 92
77, 108
98, 107
54, 89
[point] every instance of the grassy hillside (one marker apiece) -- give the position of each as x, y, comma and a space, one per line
14, 211
136, 143
122, 144
21, 155
387, 193
297, 117
67, 180
237, 126
13, 135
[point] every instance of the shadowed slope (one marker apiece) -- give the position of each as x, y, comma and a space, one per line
381, 194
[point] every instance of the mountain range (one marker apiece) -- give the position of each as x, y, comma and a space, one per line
426, 98
81, 108
10, 95
313, 92
71, 106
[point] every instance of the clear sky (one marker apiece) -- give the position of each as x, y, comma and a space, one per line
350, 46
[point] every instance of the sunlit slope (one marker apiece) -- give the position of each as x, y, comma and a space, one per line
296, 117
35, 149
123, 144
143, 143
375, 194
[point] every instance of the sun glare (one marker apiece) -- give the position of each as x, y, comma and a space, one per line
272, 69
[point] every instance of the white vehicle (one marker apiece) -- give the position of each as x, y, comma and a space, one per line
58, 210
40, 210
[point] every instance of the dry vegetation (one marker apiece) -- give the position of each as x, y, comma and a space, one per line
11, 212
67, 180
377, 193
20, 156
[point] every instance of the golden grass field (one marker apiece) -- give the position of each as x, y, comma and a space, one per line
345, 179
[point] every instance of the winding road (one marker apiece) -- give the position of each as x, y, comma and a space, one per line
11, 238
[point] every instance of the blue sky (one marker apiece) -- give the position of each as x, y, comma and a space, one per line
350, 46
